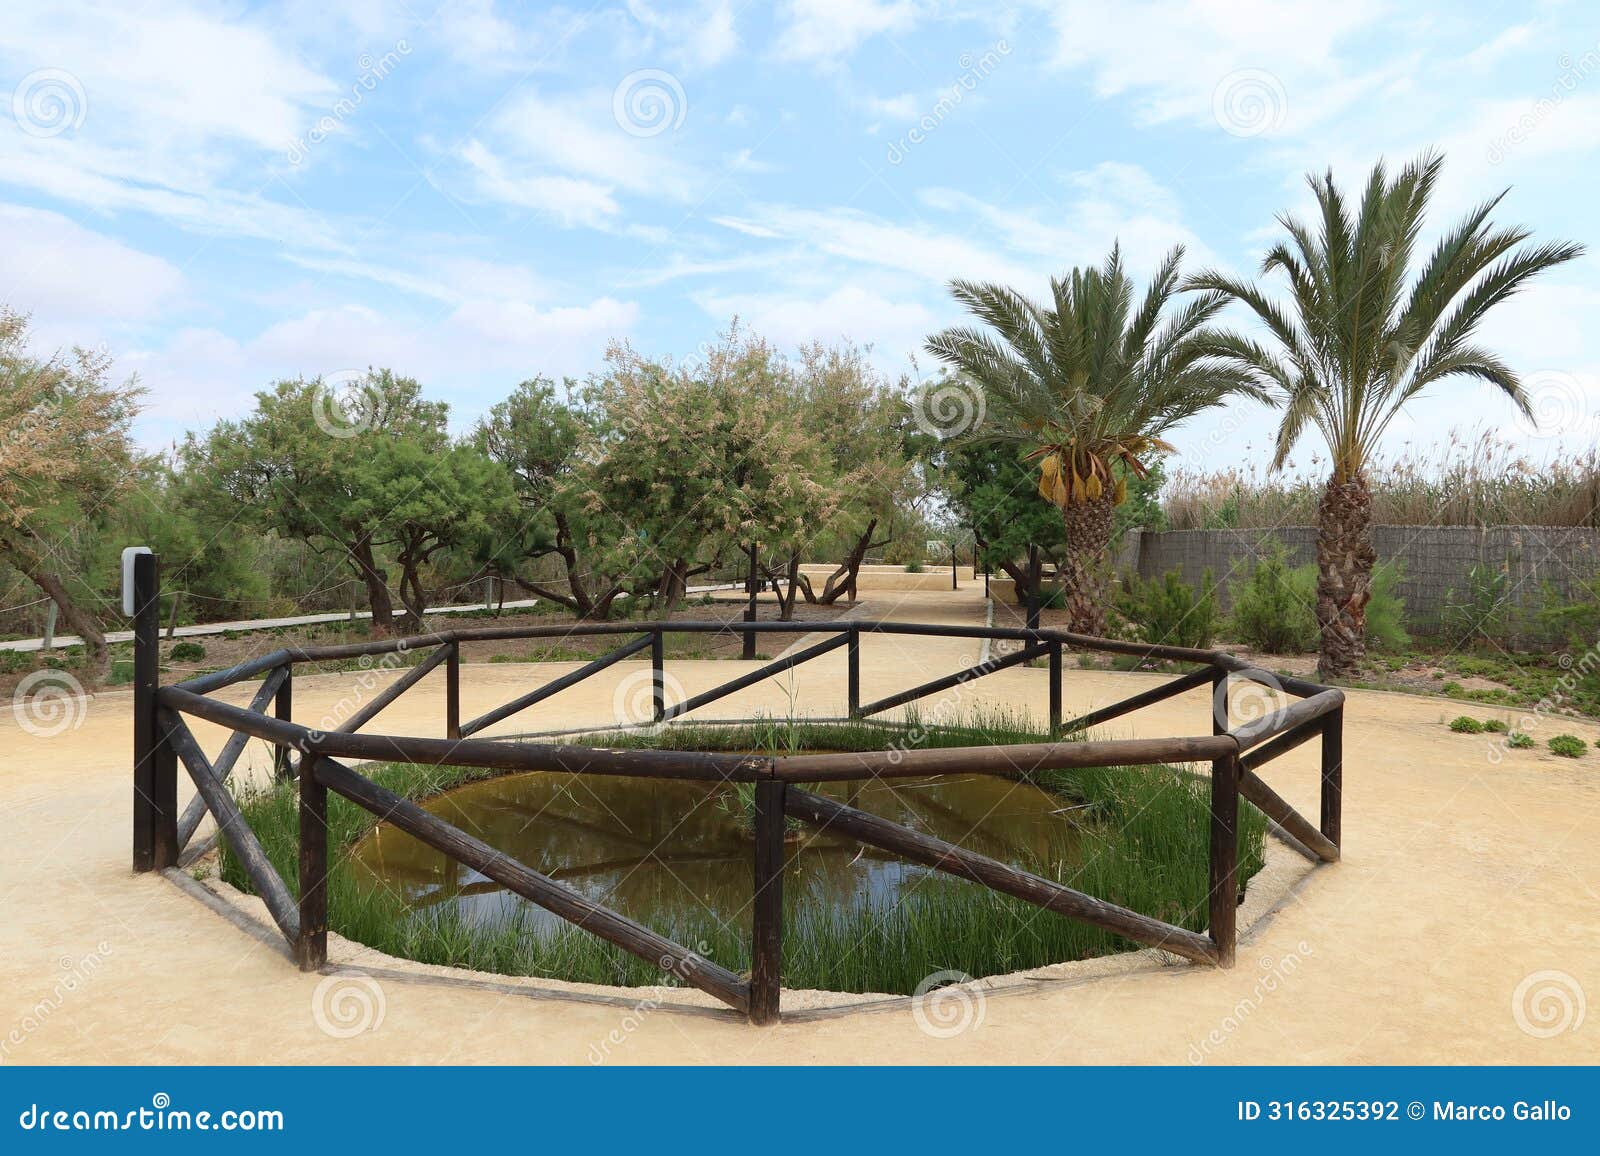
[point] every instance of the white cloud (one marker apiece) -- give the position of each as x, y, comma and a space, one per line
64, 273
1172, 55
1111, 202
569, 200
826, 31
852, 314
567, 156
452, 279
470, 358
699, 35
860, 237
172, 98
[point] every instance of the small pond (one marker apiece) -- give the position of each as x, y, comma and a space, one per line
670, 853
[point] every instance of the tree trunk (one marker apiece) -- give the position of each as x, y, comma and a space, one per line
412, 597
377, 584
581, 601
672, 587
1345, 559
786, 614
850, 569
1085, 560
78, 620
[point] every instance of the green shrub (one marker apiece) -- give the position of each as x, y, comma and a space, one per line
1481, 610
187, 652
1568, 746
1386, 611
1168, 611
1273, 611
1466, 725
1496, 726
913, 567
1519, 740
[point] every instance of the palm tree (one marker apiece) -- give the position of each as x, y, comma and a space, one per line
1088, 385
1360, 336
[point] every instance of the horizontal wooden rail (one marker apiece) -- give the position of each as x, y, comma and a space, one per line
997, 876
1294, 687
473, 752
1007, 761
394, 690
755, 676
1294, 715
268, 884
217, 679
1177, 686
339, 651
222, 767
961, 677
561, 900
555, 686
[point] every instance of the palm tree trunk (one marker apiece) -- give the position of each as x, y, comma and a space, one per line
1345, 559
1085, 562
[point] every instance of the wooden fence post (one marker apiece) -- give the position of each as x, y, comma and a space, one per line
1219, 701
452, 692
1035, 576
1055, 690
658, 673
1225, 857
283, 708
766, 937
155, 766
752, 586
311, 946
1333, 776
854, 677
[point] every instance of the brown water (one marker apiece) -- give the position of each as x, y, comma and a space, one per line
652, 848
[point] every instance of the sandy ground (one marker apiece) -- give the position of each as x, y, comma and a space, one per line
1461, 926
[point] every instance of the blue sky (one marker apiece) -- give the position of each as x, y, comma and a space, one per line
477, 192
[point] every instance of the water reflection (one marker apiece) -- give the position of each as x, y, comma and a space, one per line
652, 848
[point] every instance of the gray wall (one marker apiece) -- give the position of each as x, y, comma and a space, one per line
1435, 559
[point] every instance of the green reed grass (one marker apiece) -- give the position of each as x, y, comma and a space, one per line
1145, 835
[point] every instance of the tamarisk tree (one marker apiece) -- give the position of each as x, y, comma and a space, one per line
65, 457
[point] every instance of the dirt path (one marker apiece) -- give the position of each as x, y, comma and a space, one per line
1464, 882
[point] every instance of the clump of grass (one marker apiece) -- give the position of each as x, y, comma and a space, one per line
1465, 724
1568, 746
187, 652
1145, 838
1496, 726
1519, 740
